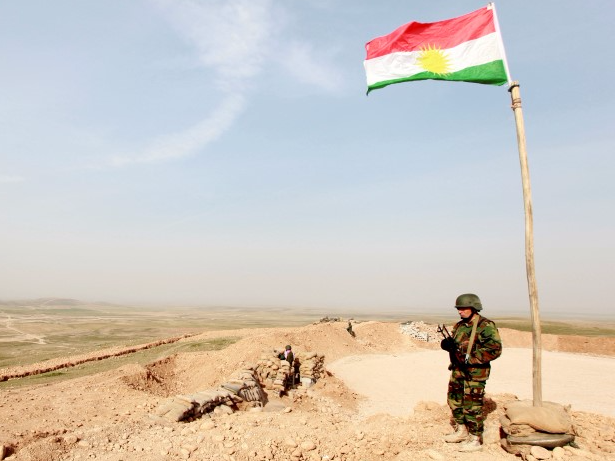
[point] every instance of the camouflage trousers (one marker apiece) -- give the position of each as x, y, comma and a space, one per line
465, 398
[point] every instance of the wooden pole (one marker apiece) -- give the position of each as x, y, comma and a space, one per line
529, 245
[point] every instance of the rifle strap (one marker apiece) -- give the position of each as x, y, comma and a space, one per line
472, 336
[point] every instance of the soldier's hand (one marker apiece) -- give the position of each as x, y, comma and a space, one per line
461, 358
448, 344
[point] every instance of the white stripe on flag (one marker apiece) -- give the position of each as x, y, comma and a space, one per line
405, 64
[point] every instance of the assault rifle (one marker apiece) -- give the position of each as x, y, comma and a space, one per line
449, 345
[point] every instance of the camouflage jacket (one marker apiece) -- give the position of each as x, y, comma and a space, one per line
487, 347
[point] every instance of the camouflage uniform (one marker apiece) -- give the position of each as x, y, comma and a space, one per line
466, 388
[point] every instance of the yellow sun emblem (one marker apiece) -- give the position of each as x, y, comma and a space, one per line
432, 59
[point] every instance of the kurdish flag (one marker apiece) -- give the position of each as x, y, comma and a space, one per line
468, 49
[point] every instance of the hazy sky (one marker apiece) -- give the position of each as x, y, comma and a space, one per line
224, 153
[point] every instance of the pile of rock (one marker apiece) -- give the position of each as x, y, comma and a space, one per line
421, 331
242, 390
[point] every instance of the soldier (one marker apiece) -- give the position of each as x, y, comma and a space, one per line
287, 355
350, 330
474, 343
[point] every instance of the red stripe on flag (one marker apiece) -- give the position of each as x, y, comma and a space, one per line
442, 34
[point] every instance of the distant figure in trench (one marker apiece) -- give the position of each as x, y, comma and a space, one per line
289, 356
349, 329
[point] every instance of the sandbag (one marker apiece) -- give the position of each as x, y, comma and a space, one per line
515, 429
550, 417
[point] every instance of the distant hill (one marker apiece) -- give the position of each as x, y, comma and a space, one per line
48, 302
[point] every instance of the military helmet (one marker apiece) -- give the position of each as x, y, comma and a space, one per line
288, 347
468, 300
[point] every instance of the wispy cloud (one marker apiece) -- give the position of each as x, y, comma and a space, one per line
6, 179
234, 41
312, 67
191, 140
230, 38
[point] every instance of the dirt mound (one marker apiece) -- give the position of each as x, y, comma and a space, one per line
157, 378
597, 345
108, 416
196, 371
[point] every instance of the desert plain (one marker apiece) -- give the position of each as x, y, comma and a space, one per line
82, 382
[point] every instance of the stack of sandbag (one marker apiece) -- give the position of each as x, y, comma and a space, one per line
273, 373
183, 407
525, 425
311, 367
242, 390
246, 388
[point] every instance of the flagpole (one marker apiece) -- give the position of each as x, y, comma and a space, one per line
515, 95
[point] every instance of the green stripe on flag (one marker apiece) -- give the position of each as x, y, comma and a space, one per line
492, 73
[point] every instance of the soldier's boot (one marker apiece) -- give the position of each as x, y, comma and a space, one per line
472, 444
460, 435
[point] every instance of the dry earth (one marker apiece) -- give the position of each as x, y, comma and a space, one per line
106, 416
